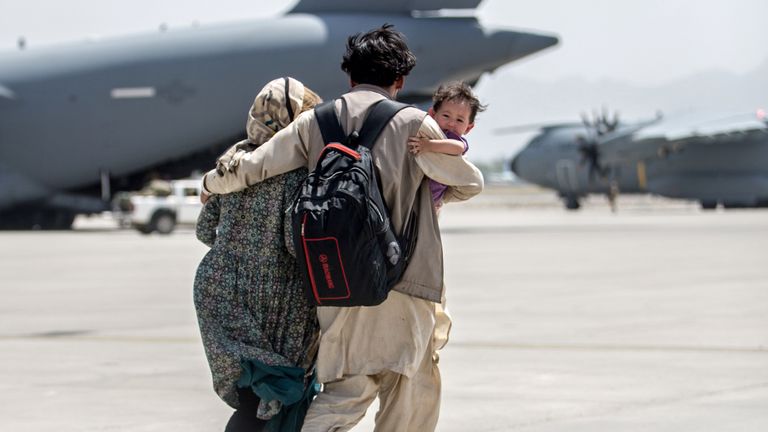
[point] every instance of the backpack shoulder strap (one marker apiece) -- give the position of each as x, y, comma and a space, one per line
378, 117
330, 128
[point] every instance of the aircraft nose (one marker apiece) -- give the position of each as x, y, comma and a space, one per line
513, 165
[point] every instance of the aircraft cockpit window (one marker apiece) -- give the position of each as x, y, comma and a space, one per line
190, 192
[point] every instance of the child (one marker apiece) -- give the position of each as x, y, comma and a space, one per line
454, 107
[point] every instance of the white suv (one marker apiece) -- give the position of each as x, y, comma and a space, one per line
161, 206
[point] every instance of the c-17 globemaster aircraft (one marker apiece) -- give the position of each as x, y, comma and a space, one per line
79, 122
716, 159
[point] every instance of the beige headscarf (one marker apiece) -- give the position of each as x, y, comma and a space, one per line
269, 113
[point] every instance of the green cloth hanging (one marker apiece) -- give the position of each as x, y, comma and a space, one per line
284, 384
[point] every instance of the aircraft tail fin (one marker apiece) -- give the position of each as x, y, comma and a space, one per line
380, 7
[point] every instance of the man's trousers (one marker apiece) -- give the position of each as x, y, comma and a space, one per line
405, 404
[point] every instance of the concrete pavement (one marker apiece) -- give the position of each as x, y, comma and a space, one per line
652, 319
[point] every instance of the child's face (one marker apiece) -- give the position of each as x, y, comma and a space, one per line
453, 116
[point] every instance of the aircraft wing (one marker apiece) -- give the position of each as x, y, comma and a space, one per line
669, 136
389, 6
703, 126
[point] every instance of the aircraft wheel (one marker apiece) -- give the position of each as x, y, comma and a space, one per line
572, 203
163, 222
37, 219
16, 220
60, 220
735, 205
708, 205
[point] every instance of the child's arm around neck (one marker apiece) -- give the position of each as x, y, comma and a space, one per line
446, 146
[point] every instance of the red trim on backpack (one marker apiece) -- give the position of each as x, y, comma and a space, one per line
342, 148
311, 272
343, 273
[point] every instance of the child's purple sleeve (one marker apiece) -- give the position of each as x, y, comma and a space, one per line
453, 136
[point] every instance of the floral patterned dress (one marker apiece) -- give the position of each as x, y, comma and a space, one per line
248, 290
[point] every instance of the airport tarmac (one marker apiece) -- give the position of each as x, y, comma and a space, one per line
654, 318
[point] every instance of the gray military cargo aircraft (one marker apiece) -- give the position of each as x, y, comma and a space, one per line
79, 122
716, 159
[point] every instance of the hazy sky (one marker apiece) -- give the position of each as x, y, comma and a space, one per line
637, 41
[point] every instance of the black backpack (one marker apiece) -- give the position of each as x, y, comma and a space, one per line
346, 248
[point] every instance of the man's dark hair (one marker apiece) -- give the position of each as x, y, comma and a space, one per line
458, 92
378, 57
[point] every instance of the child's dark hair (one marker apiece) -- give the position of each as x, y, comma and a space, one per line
458, 92
378, 57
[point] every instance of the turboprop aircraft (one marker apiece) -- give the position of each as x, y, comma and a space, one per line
713, 158
79, 122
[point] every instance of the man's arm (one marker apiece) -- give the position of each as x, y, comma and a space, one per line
463, 178
284, 152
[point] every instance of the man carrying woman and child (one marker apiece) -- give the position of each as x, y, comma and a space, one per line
266, 345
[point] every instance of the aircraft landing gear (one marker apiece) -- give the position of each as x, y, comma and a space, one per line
571, 202
736, 205
613, 194
36, 219
708, 205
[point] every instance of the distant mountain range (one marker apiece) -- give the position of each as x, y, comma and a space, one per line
514, 99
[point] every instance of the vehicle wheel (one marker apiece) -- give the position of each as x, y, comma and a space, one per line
163, 222
708, 205
571, 202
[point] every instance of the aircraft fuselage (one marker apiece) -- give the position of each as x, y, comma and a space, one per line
730, 170
72, 114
